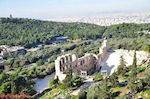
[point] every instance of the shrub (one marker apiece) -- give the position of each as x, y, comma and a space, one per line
5, 87
98, 77
53, 83
146, 48
39, 62
124, 97
140, 69
82, 94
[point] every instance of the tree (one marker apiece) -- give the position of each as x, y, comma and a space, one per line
147, 73
146, 48
134, 65
98, 77
3, 77
96, 91
114, 79
68, 79
16, 84
30, 32
132, 76
95, 52
93, 92
82, 94
105, 90
76, 82
40, 62
53, 83
121, 70
5, 87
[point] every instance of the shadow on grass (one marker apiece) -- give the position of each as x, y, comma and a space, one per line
115, 94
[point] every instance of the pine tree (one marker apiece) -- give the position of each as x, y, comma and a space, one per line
105, 90
96, 91
114, 79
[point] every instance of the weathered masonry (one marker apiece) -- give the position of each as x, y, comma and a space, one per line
83, 66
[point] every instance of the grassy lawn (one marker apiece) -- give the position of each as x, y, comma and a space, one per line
122, 79
74, 97
141, 75
55, 94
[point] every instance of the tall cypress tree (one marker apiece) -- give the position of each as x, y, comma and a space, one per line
132, 76
68, 80
114, 79
121, 70
134, 65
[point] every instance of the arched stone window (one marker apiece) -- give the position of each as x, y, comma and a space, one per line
70, 58
83, 61
66, 58
67, 66
60, 63
63, 61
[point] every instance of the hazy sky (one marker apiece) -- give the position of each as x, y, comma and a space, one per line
42, 9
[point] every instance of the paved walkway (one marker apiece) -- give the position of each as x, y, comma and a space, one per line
86, 84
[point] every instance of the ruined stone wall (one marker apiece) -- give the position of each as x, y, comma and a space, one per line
63, 63
4, 50
87, 64
102, 52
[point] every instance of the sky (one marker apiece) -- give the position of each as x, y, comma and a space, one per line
44, 9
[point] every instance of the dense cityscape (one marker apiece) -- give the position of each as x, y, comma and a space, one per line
107, 19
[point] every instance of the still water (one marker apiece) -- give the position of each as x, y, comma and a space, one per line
41, 84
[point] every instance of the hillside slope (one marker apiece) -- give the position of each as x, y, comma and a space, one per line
29, 32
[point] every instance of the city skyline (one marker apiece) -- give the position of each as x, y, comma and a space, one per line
44, 9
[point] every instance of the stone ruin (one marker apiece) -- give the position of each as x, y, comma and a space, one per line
6, 50
86, 65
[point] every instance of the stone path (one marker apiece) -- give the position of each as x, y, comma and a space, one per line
86, 84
